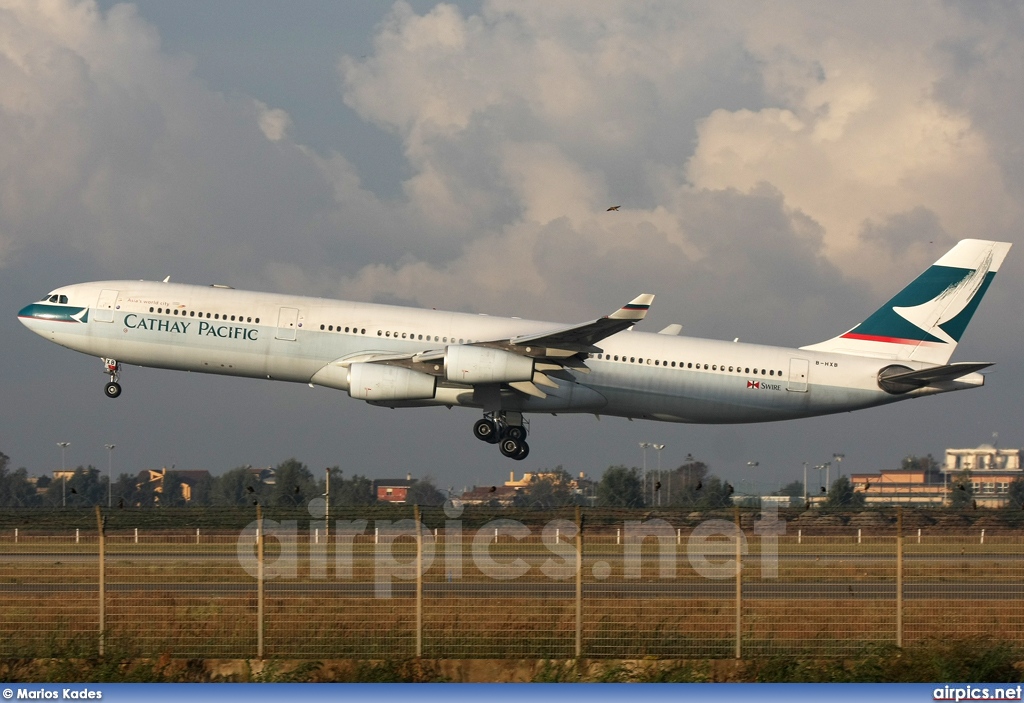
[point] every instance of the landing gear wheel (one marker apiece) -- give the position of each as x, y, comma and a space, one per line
524, 452
113, 389
486, 430
516, 432
511, 447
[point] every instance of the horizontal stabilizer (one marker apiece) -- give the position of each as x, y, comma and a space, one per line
895, 380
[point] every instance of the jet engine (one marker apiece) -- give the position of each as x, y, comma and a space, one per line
383, 382
469, 364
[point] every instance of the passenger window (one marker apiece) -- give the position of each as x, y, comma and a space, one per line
772, 372
248, 319
403, 335
321, 326
257, 320
191, 313
746, 370
673, 364
232, 318
379, 333
387, 334
151, 309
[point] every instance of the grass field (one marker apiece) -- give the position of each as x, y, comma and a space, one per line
826, 595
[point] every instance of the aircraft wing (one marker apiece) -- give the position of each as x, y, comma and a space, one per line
553, 351
582, 338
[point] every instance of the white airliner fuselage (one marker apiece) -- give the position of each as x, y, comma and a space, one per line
407, 357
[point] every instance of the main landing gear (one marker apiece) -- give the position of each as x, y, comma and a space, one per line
506, 429
112, 367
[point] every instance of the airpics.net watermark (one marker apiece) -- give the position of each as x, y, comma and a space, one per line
710, 549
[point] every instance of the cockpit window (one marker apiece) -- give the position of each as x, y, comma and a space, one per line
53, 298
63, 299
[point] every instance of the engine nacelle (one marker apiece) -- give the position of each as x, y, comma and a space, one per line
382, 382
469, 364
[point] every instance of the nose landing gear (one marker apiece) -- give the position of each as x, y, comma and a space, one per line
506, 429
112, 367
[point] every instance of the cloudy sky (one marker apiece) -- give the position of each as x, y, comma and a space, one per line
782, 168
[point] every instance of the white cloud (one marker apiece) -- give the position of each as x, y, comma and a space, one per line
274, 122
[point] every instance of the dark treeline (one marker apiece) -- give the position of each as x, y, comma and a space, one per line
690, 485
294, 485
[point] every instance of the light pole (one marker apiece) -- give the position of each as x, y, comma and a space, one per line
110, 473
756, 488
659, 447
839, 464
644, 446
63, 474
805, 486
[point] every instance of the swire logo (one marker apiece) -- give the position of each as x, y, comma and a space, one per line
753, 384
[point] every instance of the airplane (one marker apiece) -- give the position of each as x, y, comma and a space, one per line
507, 368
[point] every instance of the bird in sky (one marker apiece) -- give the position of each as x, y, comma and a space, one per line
613, 208
700, 484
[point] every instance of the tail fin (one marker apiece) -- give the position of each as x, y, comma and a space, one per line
925, 320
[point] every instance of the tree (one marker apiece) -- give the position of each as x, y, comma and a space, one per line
961, 491
237, 487
793, 489
686, 483
715, 493
15, 489
85, 487
354, 491
1015, 493
424, 492
620, 488
294, 485
842, 495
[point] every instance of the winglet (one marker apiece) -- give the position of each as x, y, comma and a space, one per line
635, 309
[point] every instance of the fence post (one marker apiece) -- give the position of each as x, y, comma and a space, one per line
259, 581
419, 580
197, 535
102, 577
899, 576
739, 585
579, 582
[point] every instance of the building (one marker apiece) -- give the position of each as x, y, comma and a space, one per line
154, 479
503, 496
392, 490
991, 471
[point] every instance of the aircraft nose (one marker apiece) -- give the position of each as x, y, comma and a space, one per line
25, 313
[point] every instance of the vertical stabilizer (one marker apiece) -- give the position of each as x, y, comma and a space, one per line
925, 320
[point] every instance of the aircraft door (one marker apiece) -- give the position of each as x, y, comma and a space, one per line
798, 370
105, 306
287, 322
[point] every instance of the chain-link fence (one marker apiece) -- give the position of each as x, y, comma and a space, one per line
444, 584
